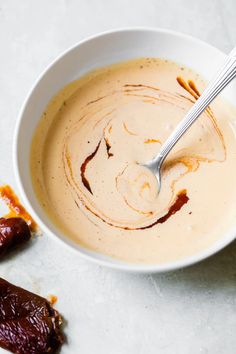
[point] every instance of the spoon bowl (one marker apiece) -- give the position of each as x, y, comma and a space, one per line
154, 166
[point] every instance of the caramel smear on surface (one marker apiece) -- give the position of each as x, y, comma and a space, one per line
52, 299
16, 209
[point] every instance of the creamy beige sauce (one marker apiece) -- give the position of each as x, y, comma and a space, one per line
87, 151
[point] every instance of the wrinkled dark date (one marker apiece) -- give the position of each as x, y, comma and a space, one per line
28, 323
13, 232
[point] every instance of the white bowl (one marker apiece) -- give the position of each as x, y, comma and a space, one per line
100, 50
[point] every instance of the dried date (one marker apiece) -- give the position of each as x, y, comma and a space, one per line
13, 232
28, 323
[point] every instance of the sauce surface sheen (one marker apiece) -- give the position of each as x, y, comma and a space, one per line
88, 149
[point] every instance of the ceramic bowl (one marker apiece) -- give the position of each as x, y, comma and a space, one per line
97, 51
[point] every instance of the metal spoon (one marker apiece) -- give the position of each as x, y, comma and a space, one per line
215, 86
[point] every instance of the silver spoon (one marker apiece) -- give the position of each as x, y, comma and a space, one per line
215, 86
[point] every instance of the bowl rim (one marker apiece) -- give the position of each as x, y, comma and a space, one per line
119, 265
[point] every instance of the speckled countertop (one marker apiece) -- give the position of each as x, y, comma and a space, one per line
107, 312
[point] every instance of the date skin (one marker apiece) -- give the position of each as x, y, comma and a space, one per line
28, 323
13, 232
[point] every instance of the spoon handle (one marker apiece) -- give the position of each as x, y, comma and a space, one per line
215, 86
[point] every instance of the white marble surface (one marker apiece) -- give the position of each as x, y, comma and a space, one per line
189, 311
